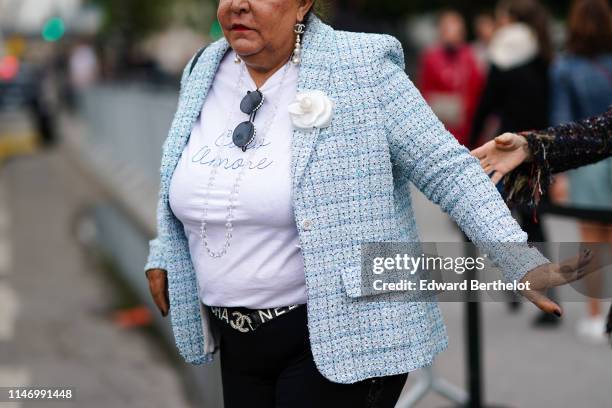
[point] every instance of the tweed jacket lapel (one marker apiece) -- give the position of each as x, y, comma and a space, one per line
315, 70
314, 73
318, 45
190, 105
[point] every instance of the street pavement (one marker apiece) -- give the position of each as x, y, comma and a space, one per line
56, 305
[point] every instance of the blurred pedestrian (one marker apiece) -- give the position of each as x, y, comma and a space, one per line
83, 65
581, 83
484, 26
82, 71
450, 77
484, 29
517, 87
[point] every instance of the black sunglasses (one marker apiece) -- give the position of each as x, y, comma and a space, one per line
245, 131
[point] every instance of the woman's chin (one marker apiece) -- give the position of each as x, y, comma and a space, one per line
244, 47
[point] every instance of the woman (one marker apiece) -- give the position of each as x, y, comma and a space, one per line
278, 246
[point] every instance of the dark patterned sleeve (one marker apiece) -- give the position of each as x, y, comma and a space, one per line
557, 149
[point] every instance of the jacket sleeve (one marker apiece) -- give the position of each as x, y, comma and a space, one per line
425, 153
157, 246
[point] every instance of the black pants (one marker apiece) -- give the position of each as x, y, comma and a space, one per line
273, 367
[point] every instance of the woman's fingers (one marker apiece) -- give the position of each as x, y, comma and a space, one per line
497, 176
158, 286
481, 152
549, 275
162, 297
483, 162
543, 302
546, 276
505, 142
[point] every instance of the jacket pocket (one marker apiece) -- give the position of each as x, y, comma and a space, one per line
351, 279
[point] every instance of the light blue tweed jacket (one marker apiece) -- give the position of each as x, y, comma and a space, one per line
350, 185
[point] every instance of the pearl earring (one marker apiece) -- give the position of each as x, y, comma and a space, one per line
299, 30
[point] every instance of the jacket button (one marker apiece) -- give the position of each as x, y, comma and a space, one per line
306, 224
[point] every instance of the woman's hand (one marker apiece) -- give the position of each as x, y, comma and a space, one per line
502, 155
549, 275
158, 286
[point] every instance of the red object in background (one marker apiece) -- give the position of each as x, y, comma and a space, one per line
9, 67
134, 317
451, 82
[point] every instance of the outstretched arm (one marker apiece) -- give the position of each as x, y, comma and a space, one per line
425, 153
527, 160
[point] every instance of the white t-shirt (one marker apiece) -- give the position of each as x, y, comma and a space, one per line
263, 266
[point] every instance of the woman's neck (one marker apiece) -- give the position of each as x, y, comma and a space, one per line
262, 67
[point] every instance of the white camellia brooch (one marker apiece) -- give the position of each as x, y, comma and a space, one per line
311, 109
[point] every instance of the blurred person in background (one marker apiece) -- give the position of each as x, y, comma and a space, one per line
581, 86
26, 83
450, 77
82, 71
484, 29
83, 65
517, 88
484, 26
517, 83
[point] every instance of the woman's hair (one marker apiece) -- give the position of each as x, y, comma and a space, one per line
532, 13
590, 28
320, 8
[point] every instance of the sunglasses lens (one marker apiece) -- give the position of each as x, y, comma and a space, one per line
243, 134
252, 101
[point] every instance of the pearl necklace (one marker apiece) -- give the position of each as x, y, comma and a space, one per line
235, 188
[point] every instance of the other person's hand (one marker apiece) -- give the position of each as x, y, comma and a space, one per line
549, 275
502, 155
158, 286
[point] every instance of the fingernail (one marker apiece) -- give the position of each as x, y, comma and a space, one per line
558, 313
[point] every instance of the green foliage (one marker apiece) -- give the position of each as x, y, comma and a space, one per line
137, 18
134, 17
